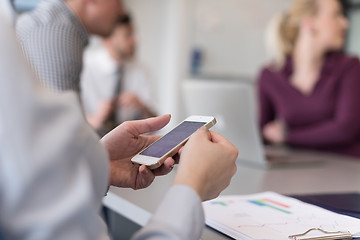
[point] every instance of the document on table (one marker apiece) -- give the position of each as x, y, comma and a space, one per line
271, 216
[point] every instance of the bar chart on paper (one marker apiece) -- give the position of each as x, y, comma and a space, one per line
270, 216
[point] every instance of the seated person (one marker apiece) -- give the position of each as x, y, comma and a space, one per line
113, 88
309, 94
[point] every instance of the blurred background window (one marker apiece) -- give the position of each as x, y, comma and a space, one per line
353, 13
25, 5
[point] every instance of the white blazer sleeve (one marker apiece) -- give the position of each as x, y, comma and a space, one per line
53, 171
180, 216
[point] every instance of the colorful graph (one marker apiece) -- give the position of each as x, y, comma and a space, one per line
271, 216
222, 203
272, 204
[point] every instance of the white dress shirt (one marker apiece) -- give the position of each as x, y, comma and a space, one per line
100, 76
54, 171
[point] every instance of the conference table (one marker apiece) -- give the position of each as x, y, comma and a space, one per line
328, 174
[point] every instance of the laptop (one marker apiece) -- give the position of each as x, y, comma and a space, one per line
233, 104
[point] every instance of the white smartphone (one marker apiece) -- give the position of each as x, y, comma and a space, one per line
167, 146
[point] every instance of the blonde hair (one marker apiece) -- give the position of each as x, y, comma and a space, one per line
283, 30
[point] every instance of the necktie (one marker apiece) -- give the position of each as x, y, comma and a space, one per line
111, 122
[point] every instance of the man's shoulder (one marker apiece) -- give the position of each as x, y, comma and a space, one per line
48, 16
96, 56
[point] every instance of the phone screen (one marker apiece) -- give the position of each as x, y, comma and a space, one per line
172, 139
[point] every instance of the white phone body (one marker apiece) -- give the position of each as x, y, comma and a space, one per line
168, 145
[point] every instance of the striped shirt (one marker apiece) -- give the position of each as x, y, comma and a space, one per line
53, 40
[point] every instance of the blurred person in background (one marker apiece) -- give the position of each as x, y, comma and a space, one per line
310, 93
114, 88
55, 34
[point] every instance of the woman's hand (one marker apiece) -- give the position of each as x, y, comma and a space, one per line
126, 141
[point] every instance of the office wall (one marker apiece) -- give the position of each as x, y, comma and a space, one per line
231, 34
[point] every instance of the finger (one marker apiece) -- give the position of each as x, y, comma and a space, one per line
151, 124
218, 138
148, 140
146, 177
165, 168
176, 157
202, 132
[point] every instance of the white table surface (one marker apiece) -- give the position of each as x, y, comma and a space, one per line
333, 175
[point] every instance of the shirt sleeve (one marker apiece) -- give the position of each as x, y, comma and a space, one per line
266, 109
344, 127
180, 216
53, 170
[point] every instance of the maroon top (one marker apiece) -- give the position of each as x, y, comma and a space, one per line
328, 118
